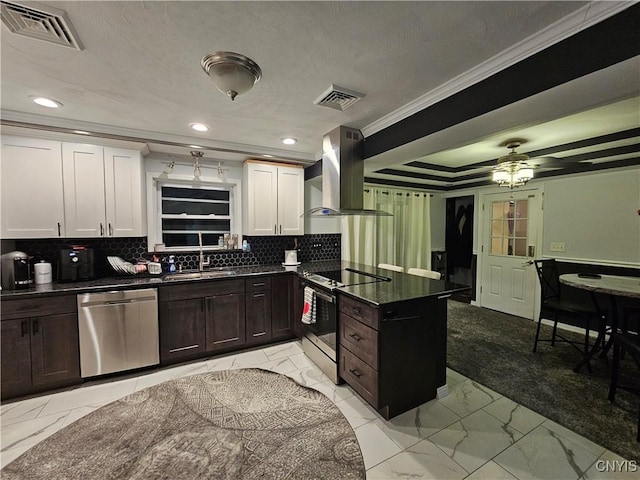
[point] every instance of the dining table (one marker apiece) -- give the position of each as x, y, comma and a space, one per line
614, 286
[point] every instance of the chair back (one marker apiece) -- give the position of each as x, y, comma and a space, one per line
547, 271
424, 273
388, 266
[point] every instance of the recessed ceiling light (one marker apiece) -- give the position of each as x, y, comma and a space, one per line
81, 132
199, 127
46, 102
267, 155
289, 141
195, 146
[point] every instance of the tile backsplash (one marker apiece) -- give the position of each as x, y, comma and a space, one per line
264, 250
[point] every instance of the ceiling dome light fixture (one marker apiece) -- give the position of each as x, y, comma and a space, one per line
233, 74
512, 169
289, 141
199, 127
46, 102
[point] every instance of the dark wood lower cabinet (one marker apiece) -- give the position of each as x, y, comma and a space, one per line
258, 315
182, 329
225, 326
39, 352
281, 308
16, 357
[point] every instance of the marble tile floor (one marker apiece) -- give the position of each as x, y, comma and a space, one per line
472, 433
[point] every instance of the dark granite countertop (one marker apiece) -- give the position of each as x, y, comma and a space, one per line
401, 287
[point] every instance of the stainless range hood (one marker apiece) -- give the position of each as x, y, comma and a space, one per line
342, 175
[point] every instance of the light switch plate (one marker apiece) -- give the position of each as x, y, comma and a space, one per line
558, 246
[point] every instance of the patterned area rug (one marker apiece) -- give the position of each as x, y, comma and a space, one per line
232, 424
495, 350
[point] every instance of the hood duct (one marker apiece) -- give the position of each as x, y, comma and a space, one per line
343, 175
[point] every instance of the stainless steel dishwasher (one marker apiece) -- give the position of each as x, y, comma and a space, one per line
118, 331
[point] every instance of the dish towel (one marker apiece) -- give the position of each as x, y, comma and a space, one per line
309, 310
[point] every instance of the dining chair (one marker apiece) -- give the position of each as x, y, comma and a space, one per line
388, 266
628, 343
554, 307
421, 272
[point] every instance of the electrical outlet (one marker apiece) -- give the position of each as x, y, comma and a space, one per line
558, 246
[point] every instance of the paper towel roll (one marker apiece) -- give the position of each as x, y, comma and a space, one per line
43, 272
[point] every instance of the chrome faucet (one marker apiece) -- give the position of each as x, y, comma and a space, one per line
202, 263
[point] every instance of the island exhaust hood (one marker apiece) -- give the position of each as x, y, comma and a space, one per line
342, 175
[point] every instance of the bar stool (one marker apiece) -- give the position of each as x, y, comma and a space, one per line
388, 266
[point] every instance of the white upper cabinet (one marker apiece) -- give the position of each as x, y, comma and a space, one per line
32, 196
273, 199
84, 200
103, 191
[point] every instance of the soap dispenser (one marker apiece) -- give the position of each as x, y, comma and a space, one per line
172, 264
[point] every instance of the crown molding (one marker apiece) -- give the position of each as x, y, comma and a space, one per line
581, 19
40, 125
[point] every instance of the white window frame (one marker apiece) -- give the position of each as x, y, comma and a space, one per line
154, 206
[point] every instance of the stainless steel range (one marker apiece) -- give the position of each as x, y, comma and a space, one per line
320, 340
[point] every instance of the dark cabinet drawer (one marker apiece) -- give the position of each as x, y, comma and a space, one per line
359, 339
200, 289
359, 375
367, 314
36, 307
258, 284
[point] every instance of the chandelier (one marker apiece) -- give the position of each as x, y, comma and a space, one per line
512, 169
233, 74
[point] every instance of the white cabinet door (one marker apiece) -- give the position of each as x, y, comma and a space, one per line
84, 201
32, 199
124, 193
290, 200
261, 199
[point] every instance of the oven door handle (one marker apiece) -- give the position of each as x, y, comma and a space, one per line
326, 298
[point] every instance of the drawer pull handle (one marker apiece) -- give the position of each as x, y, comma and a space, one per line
182, 349
261, 284
355, 336
258, 295
356, 309
28, 307
355, 372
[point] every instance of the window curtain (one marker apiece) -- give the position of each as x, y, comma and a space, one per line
403, 239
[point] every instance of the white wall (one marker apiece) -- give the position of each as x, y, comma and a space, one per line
595, 215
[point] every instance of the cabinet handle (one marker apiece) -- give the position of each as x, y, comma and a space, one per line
355, 336
59, 232
101, 230
24, 326
28, 307
355, 372
181, 349
356, 309
261, 284
258, 295
110, 230
275, 229
36, 326
280, 229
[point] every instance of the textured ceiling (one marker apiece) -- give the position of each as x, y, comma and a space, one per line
139, 73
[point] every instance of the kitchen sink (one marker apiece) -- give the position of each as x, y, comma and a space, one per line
190, 275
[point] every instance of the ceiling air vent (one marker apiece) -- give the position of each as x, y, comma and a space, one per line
338, 98
43, 23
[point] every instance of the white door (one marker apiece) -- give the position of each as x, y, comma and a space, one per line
123, 193
290, 201
509, 243
32, 202
84, 205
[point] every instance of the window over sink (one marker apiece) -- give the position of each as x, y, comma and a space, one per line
184, 208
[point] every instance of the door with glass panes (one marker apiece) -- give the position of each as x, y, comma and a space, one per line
509, 244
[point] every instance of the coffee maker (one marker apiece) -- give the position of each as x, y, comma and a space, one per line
16, 270
76, 264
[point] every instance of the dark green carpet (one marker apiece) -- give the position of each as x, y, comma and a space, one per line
495, 350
